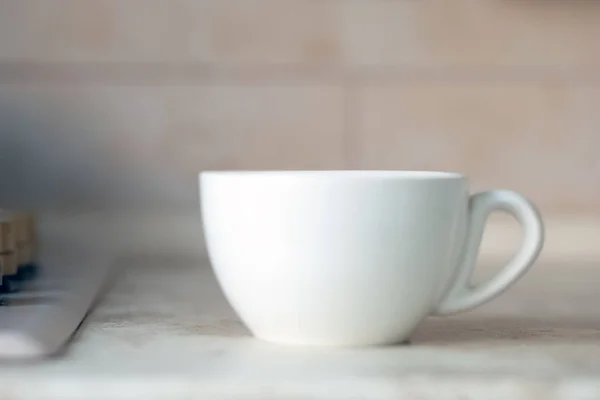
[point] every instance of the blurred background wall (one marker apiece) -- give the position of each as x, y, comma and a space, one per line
115, 105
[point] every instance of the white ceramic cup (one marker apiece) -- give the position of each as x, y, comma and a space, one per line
353, 258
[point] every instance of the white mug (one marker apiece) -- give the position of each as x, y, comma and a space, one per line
353, 258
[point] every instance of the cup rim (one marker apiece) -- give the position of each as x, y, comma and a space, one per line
323, 174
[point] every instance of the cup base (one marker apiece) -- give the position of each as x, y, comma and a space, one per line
317, 343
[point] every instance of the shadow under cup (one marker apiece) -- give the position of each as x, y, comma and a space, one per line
352, 258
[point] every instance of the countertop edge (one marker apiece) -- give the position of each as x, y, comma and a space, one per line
415, 386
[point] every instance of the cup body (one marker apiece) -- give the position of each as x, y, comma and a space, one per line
336, 258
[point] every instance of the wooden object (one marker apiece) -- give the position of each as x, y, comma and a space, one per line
9, 264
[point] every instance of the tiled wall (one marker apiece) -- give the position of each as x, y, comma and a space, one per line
152, 91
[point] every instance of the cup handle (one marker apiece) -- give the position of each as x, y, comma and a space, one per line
462, 296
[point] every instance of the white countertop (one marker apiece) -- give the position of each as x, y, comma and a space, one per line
165, 332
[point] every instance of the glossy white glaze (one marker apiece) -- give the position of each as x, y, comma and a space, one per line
348, 258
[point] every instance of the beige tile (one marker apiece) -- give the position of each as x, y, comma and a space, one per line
189, 127
125, 122
255, 127
82, 146
268, 32
540, 138
142, 146
436, 33
83, 30
170, 31
472, 33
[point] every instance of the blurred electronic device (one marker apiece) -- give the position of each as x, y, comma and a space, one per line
42, 300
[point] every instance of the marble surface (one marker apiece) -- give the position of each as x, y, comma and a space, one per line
164, 331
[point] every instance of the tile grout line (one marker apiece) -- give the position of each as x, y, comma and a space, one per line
351, 125
189, 73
